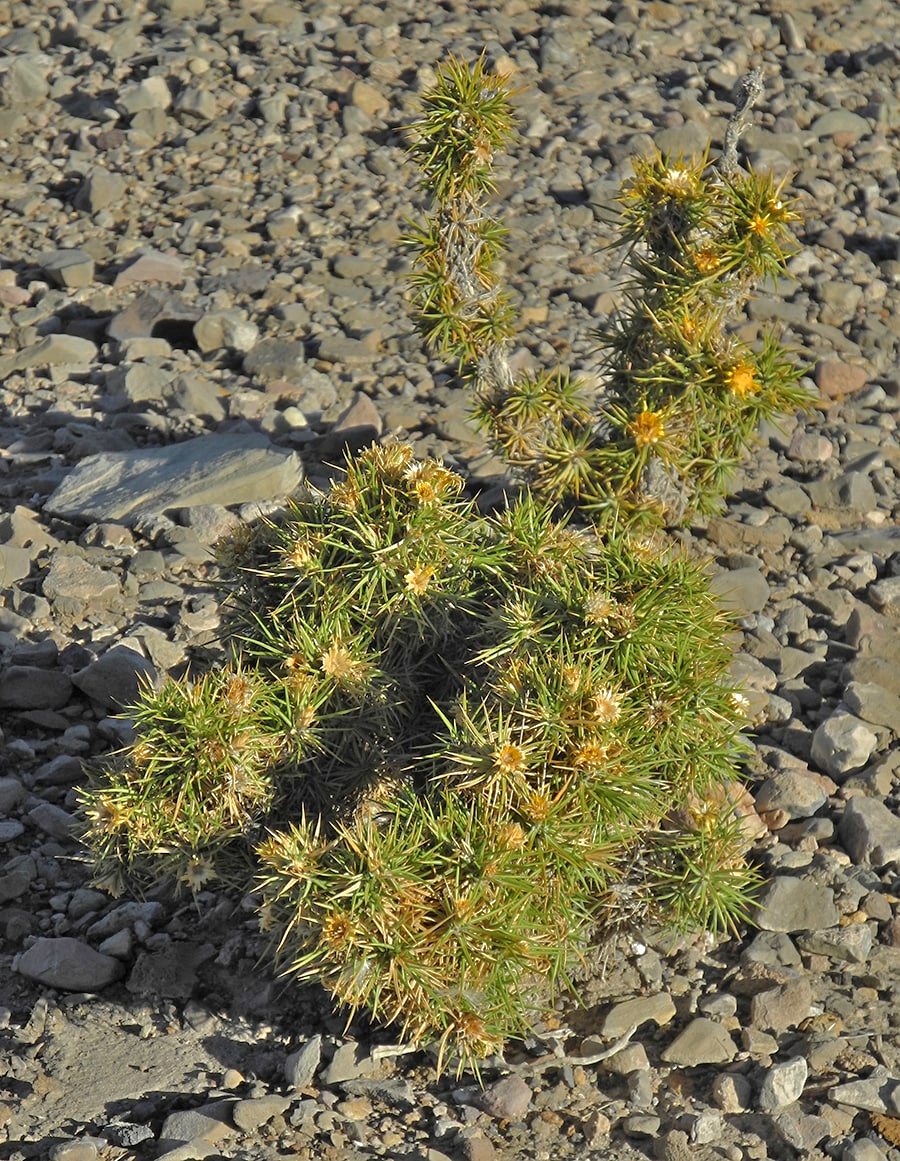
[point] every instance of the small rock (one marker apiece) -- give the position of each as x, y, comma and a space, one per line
211, 1122
29, 687
657, 1008
703, 1041
863, 1150
68, 964
842, 744
100, 190
507, 1099
732, 1092
871, 1094
796, 793
782, 1007
52, 820
250, 1114
274, 359
870, 832
793, 904
851, 944
885, 595
152, 266
836, 379
349, 1062
300, 1067
150, 93
783, 1084
69, 268
115, 680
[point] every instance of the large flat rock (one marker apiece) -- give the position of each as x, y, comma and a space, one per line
212, 469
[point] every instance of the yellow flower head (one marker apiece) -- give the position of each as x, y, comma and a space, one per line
647, 428
509, 758
706, 260
537, 808
110, 816
742, 381
571, 675
590, 755
419, 578
760, 224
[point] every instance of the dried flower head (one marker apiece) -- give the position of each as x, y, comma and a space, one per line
606, 706
599, 609
590, 755
198, 871
338, 662
418, 579
760, 224
337, 931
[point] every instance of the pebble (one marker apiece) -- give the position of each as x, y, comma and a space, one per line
783, 1084
507, 1099
842, 743
790, 903
300, 1067
68, 964
703, 1041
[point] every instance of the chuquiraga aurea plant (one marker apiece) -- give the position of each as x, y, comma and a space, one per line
682, 397
446, 751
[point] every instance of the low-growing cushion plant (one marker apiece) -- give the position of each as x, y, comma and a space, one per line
682, 396
448, 750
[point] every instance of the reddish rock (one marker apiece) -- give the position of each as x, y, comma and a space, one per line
835, 379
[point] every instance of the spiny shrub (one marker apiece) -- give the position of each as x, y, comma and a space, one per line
451, 747
682, 396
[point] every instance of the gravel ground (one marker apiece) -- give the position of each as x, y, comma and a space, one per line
204, 302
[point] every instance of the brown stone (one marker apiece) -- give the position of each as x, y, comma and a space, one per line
835, 379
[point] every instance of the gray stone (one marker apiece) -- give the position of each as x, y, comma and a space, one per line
148, 311
507, 1099
782, 1007
789, 499
99, 190
151, 266
24, 82
842, 744
851, 944
149, 913
875, 704
171, 971
798, 794
15, 565
52, 351
212, 469
703, 1041
85, 1149
870, 832
349, 1062
211, 1122
840, 121
885, 595
657, 1008
745, 590
783, 1084
30, 687
248, 1115
10, 830
68, 964
793, 904
115, 679
74, 585
150, 93
864, 1149
300, 1066
225, 328
69, 268
274, 359
871, 1094
53, 820
802, 1131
